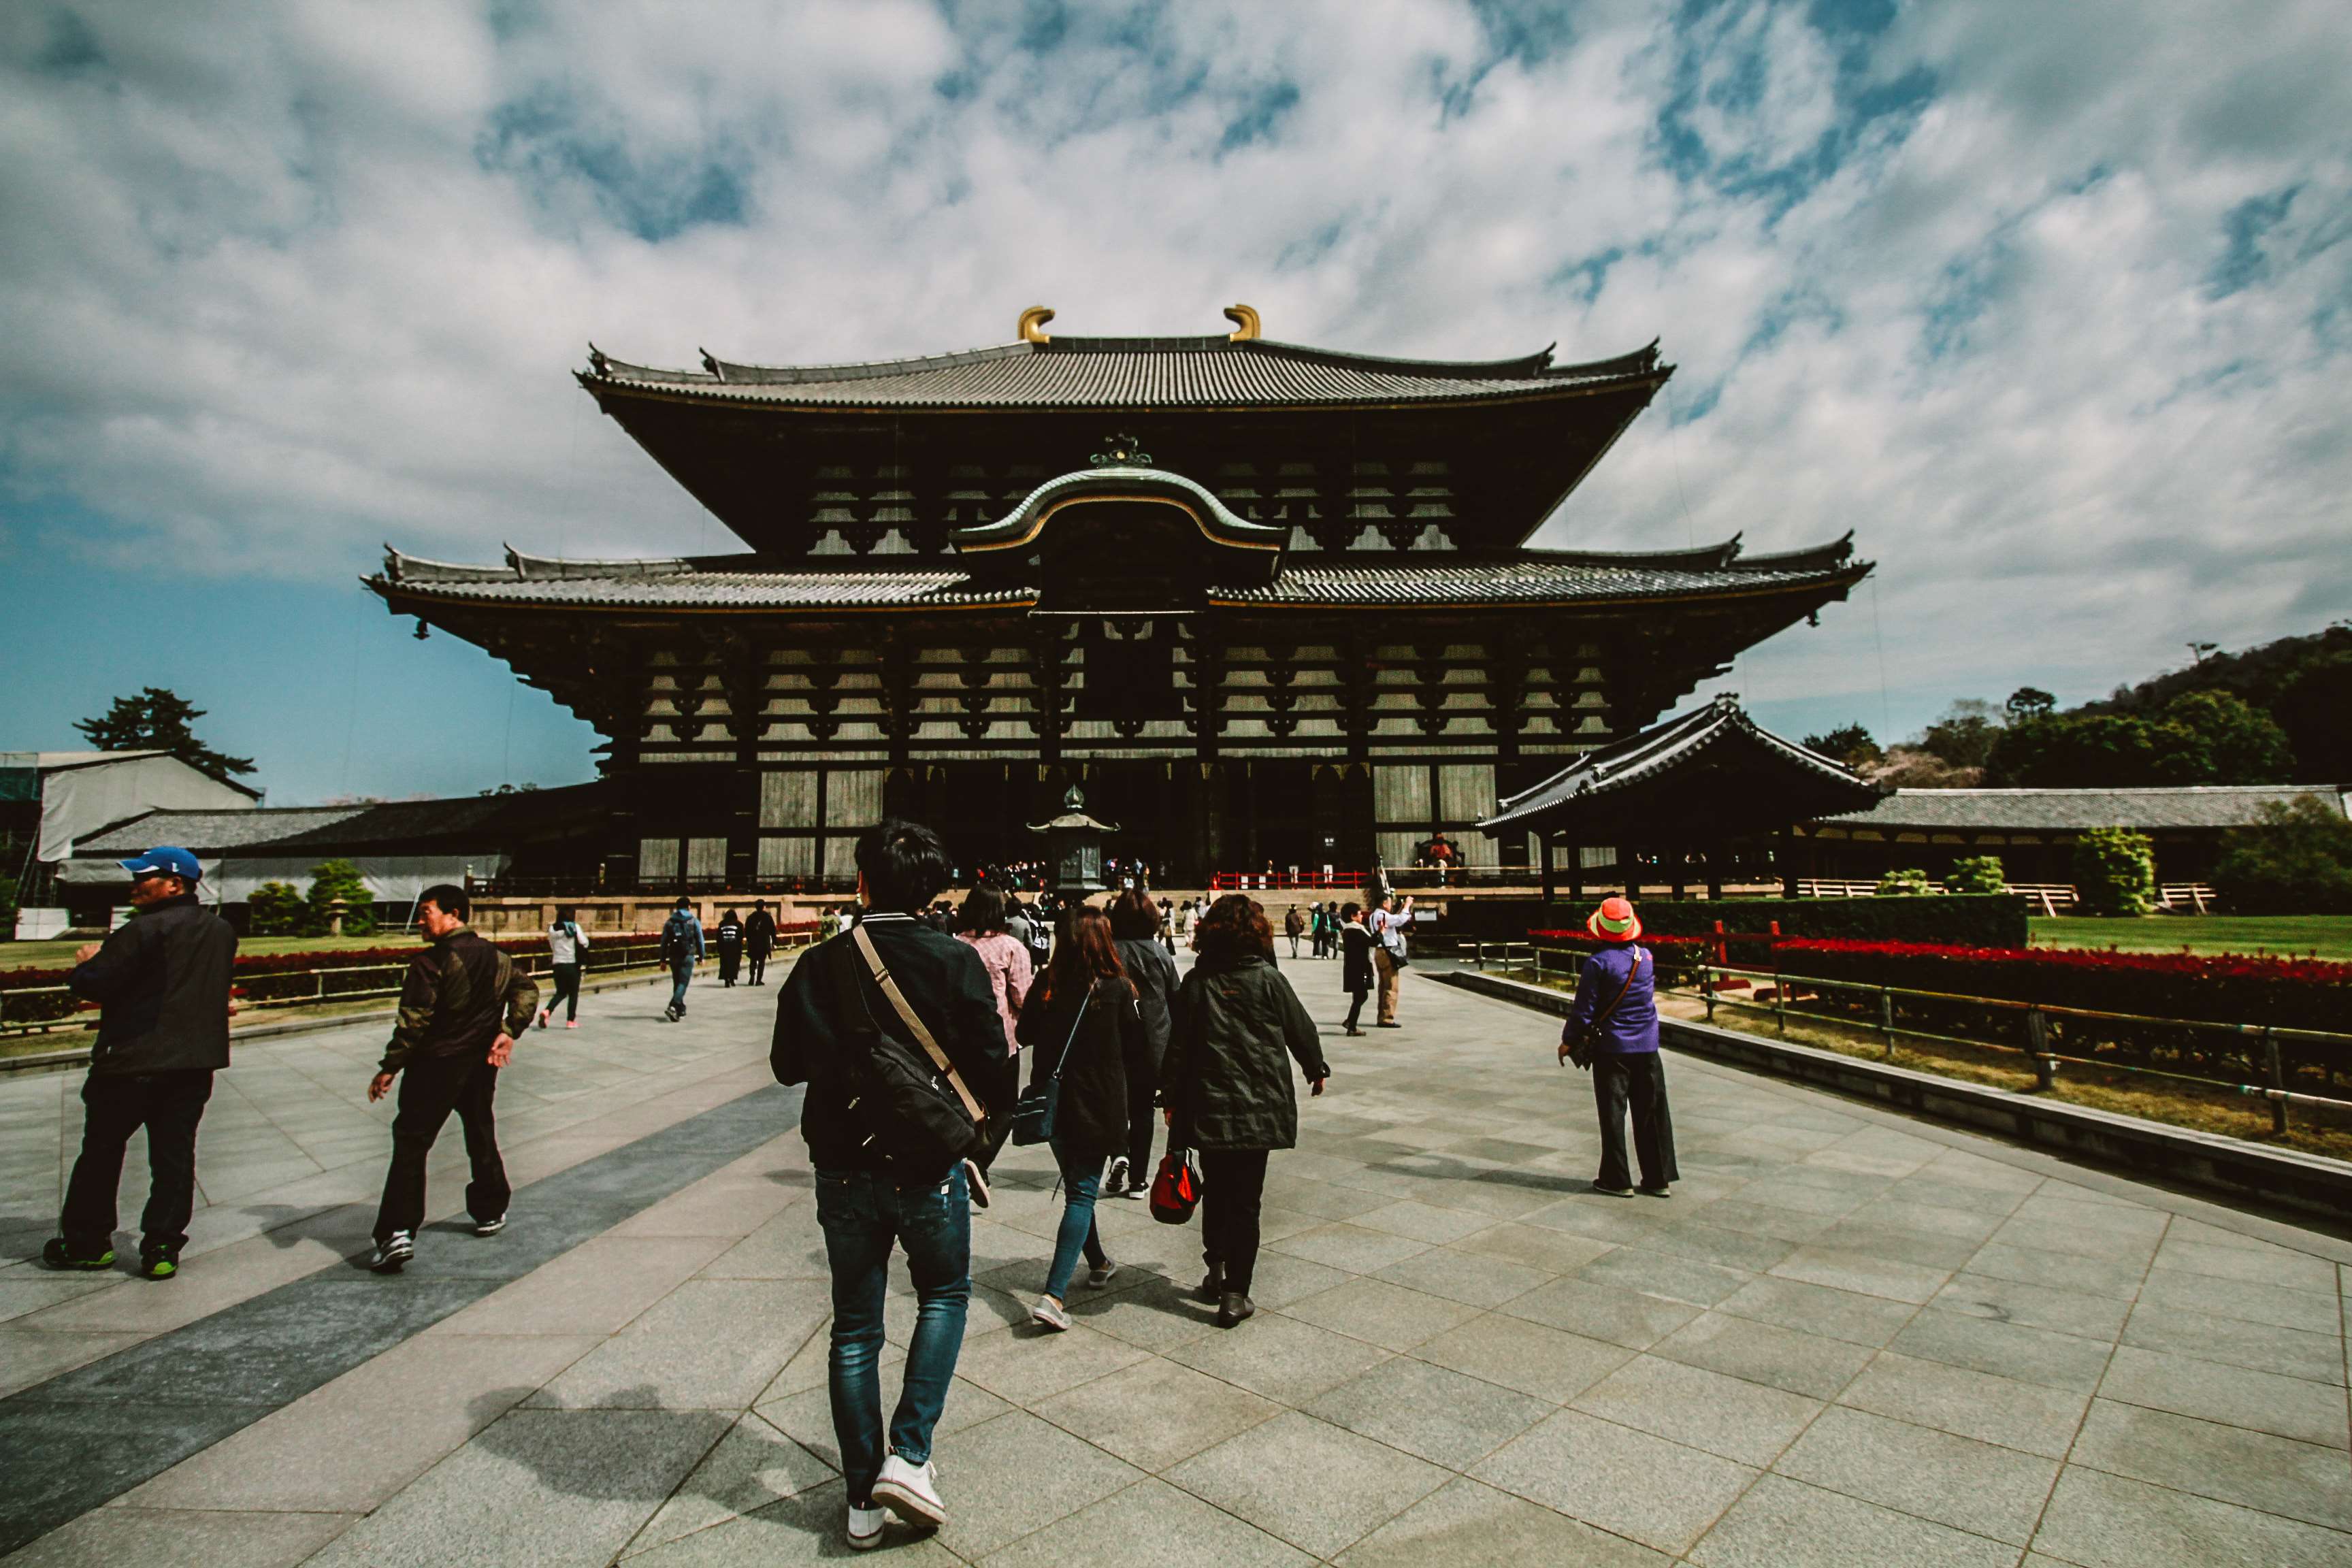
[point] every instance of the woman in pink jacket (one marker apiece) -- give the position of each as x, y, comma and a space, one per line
980, 922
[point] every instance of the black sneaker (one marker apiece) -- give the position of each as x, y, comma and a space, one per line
489, 1226
159, 1262
55, 1254
393, 1252
1233, 1308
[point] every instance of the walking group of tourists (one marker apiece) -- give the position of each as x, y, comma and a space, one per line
908, 1040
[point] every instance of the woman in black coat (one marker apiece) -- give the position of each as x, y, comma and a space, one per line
1355, 963
1081, 1022
730, 947
1228, 1087
1135, 929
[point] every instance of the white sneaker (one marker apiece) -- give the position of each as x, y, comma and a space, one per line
1116, 1183
865, 1528
1047, 1312
912, 1489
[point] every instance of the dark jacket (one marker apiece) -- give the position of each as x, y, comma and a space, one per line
944, 981
460, 995
162, 986
1090, 1118
1355, 958
1154, 974
1610, 975
759, 933
1225, 1075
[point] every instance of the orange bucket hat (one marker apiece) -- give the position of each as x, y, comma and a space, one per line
1615, 921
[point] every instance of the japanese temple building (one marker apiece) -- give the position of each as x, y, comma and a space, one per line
1267, 605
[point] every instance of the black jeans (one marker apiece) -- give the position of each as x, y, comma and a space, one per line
1639, 1077
567, 991
1356, 1006
1232, 1186
169, 1105
757, 957
430, 1088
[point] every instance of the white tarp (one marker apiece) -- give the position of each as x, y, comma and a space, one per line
84, 791
389, 879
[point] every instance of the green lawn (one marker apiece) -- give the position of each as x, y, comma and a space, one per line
59, 954
2301, 936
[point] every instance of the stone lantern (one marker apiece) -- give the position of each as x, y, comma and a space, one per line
1074, 845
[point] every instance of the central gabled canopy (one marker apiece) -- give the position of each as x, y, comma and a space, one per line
1123, 537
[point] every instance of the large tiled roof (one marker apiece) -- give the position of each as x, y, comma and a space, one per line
208, 832
1127, 372
1644, 759
2148, 809
1529, 577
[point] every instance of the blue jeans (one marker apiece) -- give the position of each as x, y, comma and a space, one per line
1081, 1183
862, 1215
681, 970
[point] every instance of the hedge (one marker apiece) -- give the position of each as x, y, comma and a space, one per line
1967, 920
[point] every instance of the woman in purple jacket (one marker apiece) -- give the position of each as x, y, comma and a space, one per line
1616, 1012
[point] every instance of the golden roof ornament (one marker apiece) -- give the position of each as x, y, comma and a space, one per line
1244, 321
1033, 324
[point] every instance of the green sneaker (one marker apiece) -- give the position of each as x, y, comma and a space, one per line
55, 1254
158, 1262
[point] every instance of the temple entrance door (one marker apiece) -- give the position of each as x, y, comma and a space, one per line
983, 815
1282, 799
1138, 797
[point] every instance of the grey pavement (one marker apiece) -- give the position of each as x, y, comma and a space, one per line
1848, 1338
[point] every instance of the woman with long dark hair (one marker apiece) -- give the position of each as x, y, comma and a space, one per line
1081, 1023
1228, 1090
981, 923
1135, 931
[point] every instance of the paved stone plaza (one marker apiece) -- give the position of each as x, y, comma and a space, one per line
1847, 1338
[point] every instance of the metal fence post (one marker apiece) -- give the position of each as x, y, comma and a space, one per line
2045, 1065
1779, 991
1886, 1020
2276, 1070
1706, 987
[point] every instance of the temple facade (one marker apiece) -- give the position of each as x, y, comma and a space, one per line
1269, 605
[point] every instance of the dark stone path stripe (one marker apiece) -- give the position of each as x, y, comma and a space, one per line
87, 1437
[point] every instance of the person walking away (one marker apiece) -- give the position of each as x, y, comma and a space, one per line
461, 1005
1135, 929
567, 956
1616, 1018
829, 1004
162, 985
1082, 1027
1356, 975
1388, 957
828, 923
682, 949
983, 927
1294, 926
729, 934
758, 940
1228, 1090
1168, 926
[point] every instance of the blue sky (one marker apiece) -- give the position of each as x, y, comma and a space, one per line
2047, 304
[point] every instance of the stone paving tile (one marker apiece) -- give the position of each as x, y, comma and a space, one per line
1863, 1273
1549, 1363
1709, 1243
754, 1466
1440, 1415
1028, 1365
185, 1538
1782, 1523
1377, 1312
1957, 1481
2022, 1415
1664, 1274
1599, 1311
2004, 1349
1423, 1222
2106, 1521
2301, 1481
28, 1356
1626, 1482
1467, 1522
804, 1528
2236, 1396
1156, 1413
2058, 1270
710, 1344
597, 1288
2280, 1306
1282, 1358
1533, 1246
2034, 1306
2255, 1264
1724, 1416
806, 1416
1148, 1525
2236, 1342
1016, 1474
1311, 1483
1349, 1247
1766, 1353
1848, 1315
1469, 1278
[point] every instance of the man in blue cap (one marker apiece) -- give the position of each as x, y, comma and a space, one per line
162, 985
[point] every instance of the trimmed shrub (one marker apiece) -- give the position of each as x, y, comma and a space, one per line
334, 879
1977, 874
2115, 871
276, 909
1909, 882
1976, 919
2297, 862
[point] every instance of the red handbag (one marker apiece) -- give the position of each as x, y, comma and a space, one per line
1176, 1189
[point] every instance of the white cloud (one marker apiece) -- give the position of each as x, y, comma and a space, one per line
2058, 326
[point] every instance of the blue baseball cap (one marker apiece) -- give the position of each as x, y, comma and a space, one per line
165, 860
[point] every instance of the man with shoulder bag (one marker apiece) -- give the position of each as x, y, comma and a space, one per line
1613, 1030
893, 1026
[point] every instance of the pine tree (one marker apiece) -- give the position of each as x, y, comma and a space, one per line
160, 719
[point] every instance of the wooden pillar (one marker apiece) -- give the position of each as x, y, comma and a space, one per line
1714, 853
1544, 840
1784, 847
1575, 872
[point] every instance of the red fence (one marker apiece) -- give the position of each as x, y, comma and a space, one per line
1286, 882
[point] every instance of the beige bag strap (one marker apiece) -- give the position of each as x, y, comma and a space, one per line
906, 1010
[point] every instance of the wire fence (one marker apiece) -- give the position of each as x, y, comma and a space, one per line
2281, 1066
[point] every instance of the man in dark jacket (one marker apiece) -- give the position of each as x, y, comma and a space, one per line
161, 985
864, 1205
461, 1006
758, 940
1356, 976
